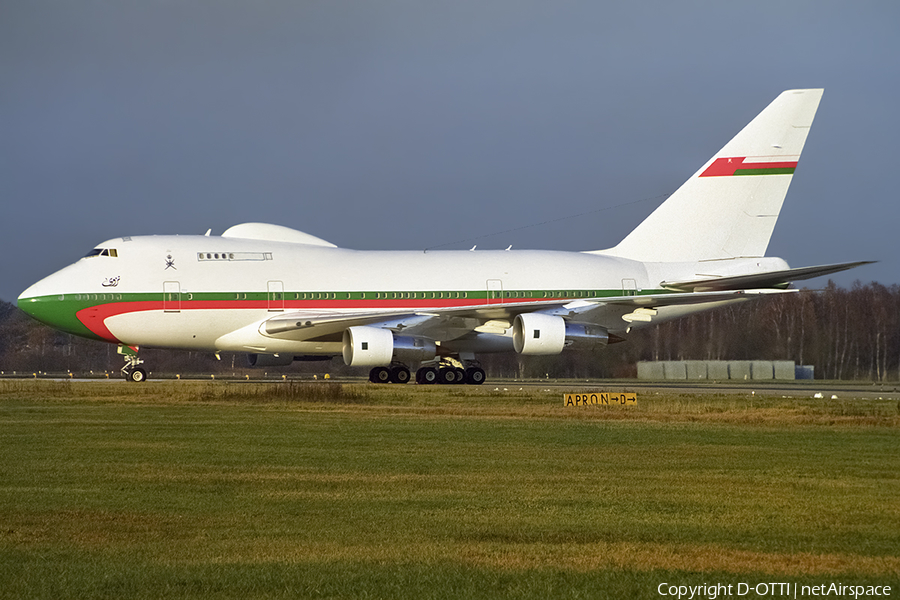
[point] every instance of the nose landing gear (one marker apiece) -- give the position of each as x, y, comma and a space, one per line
132, 371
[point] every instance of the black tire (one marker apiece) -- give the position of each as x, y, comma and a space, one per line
399, 374
138, 375
460, 377
475, 376
380, 375
427, 376
446, 376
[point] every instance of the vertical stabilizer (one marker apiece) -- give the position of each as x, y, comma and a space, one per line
729, 207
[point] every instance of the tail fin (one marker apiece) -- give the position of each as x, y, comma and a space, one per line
729, 207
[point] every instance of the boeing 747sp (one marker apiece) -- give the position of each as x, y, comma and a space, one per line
280, 295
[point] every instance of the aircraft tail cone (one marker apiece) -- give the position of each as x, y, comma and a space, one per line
614, 339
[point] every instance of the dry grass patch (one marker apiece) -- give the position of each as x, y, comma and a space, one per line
392, 490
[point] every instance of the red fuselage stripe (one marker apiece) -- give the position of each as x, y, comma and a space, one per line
94, 317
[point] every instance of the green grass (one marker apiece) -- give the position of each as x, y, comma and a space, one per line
327, 491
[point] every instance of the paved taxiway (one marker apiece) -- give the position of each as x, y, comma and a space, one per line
806, 389
797, 389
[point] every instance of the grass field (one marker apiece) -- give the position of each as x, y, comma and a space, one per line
182, 490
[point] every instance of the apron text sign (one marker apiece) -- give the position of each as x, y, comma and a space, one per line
601, 398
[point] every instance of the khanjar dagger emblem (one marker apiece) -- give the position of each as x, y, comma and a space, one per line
170, 263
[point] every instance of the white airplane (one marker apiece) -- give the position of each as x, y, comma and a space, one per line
282, 295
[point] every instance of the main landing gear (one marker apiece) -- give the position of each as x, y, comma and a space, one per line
131, 370
392, 374
449, 372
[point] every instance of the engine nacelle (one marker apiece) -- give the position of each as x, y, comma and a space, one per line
270, 360
539, 334
375, 347
414, 349
368, 346
534, 333
585, 335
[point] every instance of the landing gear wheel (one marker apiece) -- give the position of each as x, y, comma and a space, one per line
426, 375
446, 375
137, 375
399, 374
131, 371
460, 376
475, 376
380, 375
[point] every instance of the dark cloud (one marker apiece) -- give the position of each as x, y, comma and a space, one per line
407, 125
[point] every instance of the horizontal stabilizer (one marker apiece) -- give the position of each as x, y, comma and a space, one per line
770, 279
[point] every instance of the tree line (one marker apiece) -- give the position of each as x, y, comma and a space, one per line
851, 334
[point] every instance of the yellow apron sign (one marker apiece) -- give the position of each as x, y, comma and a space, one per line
602, 398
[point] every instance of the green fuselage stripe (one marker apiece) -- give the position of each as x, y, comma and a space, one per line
60, 311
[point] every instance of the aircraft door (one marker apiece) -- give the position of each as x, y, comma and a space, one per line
494, 291
629, 287
171, 297
276, 296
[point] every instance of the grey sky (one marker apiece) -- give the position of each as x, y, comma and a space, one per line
405, 125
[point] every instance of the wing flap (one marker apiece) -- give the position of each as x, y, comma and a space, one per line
769, 279
450, 323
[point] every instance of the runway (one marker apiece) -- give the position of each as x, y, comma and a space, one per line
792, 389
805, 389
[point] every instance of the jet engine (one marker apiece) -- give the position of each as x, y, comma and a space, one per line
372, 347
536, 334
270, 360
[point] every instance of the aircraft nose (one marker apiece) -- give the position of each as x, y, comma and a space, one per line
48, 302
43, 302
30, 303
27, 301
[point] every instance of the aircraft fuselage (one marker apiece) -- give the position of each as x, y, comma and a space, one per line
203, 292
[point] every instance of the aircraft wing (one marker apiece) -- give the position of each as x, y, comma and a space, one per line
768, 279
610, 312
450, 323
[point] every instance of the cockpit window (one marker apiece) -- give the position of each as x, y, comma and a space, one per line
102, 252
